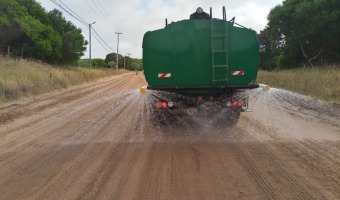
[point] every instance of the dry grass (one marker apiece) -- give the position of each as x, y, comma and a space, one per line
20, 78
322, 83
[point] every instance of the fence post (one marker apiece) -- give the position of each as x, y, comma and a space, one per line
8, 50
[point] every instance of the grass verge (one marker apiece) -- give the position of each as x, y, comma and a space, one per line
321, 82
19, 78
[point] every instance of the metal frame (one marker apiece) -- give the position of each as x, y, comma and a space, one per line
253, 86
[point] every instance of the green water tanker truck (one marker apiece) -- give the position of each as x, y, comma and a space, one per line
203, 63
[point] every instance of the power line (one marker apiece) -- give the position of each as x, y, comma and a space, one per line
101, 15
82, 21
102, 8
107, 15
61, 7
104, 15
102, 39
92, 8
73, 11
98, 40
98, 8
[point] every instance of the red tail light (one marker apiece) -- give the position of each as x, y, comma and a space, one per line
235, 103
164, 104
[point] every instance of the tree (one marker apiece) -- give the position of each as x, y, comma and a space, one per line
44, 36
99, 63
270, 48
130, 63
112, 57
136, 64
40, 40
310, 31
73, 43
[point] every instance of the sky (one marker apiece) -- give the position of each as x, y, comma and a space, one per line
133, 18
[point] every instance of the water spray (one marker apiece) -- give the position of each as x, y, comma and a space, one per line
265, 87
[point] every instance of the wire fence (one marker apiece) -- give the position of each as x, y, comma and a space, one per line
11, 51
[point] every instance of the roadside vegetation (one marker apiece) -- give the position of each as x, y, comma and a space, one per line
27, 30
125, 62
20, 78
301, 33
30, 32
42, 35
318, 82
300, 48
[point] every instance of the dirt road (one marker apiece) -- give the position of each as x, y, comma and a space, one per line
96, 142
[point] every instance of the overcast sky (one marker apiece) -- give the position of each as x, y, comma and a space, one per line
135, 17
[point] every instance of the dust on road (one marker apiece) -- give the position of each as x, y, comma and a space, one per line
96, 142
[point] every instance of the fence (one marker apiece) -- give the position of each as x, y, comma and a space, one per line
11, 51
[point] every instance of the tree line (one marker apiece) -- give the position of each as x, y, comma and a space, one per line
301, 32
124, 62
45, 36
49, 37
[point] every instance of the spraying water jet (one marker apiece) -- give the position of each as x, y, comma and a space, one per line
142, 90
265, 87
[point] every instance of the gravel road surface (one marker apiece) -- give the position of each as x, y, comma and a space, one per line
96, 141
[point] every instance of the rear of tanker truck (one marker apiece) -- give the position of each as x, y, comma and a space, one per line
199, 61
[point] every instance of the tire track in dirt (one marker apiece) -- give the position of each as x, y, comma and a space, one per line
107, 168
57, 113
131, 158
317, 168
58, 133
271, 172
68, 97
48, 155
318, 161
37, 160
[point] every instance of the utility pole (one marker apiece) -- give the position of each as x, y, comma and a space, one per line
90, 43
117, 50
8, 51
128, 54
128, 59
22, 53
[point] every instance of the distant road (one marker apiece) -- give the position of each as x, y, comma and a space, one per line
95, 141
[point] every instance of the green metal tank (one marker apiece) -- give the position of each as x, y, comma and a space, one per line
201, 54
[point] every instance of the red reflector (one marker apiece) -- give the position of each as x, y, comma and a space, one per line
234, 103
164, 104
158, 105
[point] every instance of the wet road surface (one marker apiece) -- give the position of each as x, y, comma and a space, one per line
96, 141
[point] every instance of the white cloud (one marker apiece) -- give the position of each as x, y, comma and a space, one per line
135, 17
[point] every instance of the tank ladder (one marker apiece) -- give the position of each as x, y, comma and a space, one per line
219, 47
